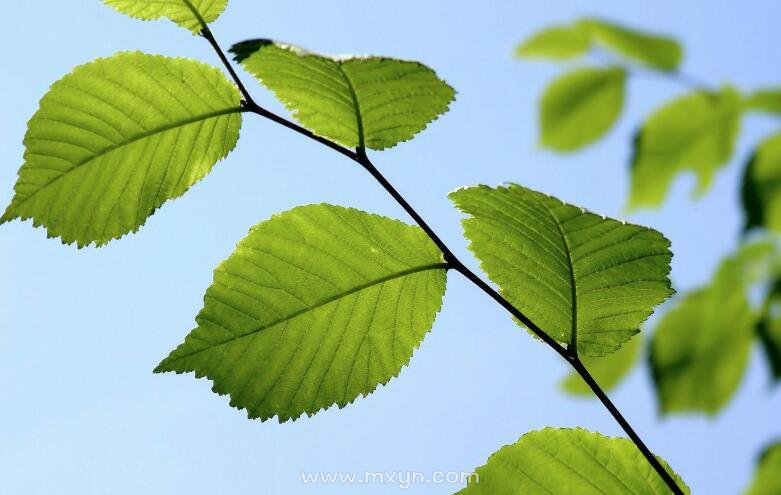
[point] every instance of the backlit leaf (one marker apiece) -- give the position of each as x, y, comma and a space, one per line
557, 42
317, 306
608, 370
117, 138
564, 461
761, 189
581, 106
701, 347
190, 14
570, 271
660, 52
696, 132
374, 102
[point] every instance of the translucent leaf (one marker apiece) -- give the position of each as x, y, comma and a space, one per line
766, 100
374, 102
580, 107
608, 370
190, 14
767, 479
117, 138
317, 306
570, 271
696, 132
557, 42
657, 51
761, 190
700, 348
564, 461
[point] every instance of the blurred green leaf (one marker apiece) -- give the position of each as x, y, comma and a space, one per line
190, 14
569, 270
769, 329
374, 102
317, 306
767, 478
564, 461
761, 189
557, 43
701, 346
696, 132
660, 52
608, 370
580, 107
117, 138
766, 100
563, 42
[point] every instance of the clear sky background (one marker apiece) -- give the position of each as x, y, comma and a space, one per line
80, 331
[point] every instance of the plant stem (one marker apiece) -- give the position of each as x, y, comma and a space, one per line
360, 157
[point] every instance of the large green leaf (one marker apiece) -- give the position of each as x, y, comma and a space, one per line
565, 461
317, 306
767, 479
765, 100
190, 14
762, 186
557, 42
579, 276
660, 52
696, 132
117, 138
701, 347
608, 370
373, 102
581, 106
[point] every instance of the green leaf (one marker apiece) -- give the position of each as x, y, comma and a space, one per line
701, 347
696, 132
608, 370
117, 138
580, 107
581, 277
565, 461
557, 42
761, 190
766, 100
767, 479
190, 14
769, 329
572, 40
660, 52
315, 307
372, 102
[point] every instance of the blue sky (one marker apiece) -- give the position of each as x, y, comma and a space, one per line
80, 331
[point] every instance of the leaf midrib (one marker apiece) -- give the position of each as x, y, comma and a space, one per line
573, 287
164, 366
133, 139
356, 105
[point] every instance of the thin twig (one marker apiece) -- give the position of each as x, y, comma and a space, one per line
360, 157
